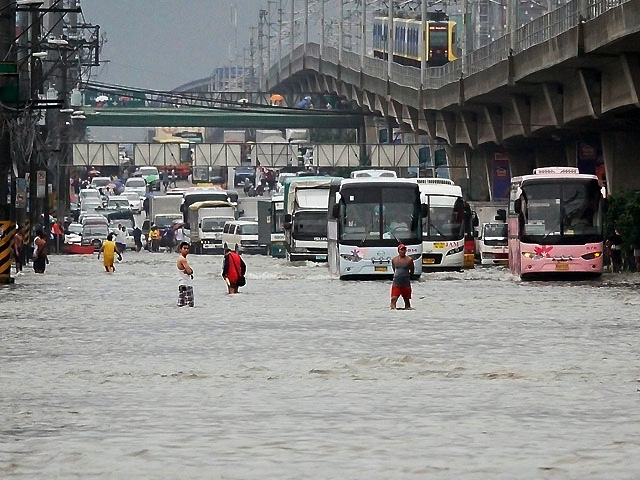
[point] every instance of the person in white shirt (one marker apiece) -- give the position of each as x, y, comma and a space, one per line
121, 238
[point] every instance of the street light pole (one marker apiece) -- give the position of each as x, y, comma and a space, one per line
341, 32
363, 33
321, 25
279, 37
306, 25
423, 43
390, 37
292, 29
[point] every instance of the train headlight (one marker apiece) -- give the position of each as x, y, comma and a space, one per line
592, 255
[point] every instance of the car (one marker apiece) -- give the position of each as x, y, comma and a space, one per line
93, 219
242, 236
118, 202
243, 173
151, 175
135, 201
100, 182
136, 185
90, 205
73, 233
94, 234
89, 193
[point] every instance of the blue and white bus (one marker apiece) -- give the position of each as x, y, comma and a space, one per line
443, 226
368, 219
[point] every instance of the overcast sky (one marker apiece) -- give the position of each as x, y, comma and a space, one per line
161, 44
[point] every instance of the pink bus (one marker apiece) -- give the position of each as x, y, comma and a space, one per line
555, 223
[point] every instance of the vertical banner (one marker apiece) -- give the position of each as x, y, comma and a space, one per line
41, 179
501, 176
587, 157
21, 193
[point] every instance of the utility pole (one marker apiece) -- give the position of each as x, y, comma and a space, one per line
292, 30
251, 56
261, 16
7, 210
306, 25
269, 23
279, 37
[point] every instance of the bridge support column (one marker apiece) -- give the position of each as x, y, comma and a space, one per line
458, 158
479, 167
621, 160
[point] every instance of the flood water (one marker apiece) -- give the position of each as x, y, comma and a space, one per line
305, 376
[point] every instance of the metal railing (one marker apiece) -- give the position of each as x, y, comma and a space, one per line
538, 31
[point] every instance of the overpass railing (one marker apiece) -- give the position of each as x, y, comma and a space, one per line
541, 29
268, 154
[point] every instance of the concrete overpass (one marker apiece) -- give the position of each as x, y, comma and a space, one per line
571, 75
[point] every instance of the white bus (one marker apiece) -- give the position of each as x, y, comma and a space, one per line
368, 219
443, 226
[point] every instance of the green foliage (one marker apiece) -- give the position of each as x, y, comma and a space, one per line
623, 214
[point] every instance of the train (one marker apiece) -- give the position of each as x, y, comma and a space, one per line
410, 46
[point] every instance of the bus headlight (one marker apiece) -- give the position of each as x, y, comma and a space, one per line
350, 258
456, 250
529, 255
592, 255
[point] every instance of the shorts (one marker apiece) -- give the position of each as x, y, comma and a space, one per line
401, 291
185, 295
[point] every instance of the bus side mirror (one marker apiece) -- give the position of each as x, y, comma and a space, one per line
200, 225
424, 210
517, 206
286, 225
287, 218
502, 215
476, 221
476, 234
335, 213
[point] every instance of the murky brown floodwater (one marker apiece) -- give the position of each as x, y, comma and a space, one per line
305, 376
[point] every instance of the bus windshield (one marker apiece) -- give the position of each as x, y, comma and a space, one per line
445, 220
562, 212
310, 225
380, 216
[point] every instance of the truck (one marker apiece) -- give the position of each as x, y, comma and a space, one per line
306, 203
207, 220
271, 226
489, 220
164, 204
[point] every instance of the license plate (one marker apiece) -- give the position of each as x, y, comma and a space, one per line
428, 261
380, 269
438, 245
321, 257
562, 266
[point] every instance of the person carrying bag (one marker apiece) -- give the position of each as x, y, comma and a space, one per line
233, 271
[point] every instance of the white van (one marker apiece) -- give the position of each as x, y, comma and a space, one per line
492, 244
242, 236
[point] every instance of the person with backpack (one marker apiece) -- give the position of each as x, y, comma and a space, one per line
233, 271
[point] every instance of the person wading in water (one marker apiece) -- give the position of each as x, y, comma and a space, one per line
185, 276
403, 268
233, 271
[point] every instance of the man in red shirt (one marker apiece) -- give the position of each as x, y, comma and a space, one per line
233, 271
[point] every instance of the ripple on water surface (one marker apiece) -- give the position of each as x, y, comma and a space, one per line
305, 376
